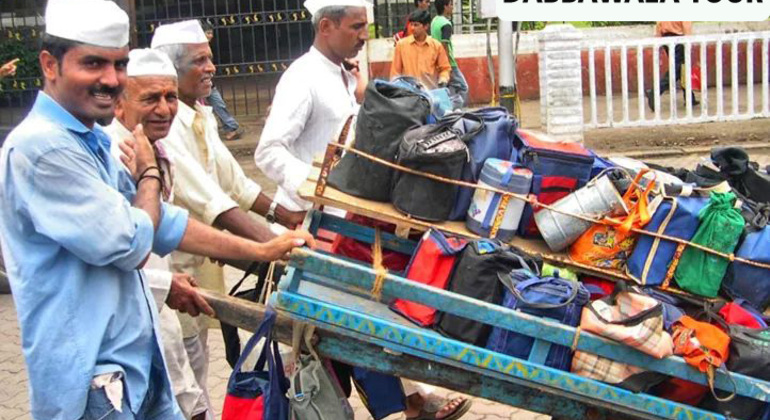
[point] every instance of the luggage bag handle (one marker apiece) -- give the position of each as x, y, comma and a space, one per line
517, 290
642, 316
451, 119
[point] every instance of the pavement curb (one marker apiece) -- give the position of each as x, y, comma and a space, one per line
684, 151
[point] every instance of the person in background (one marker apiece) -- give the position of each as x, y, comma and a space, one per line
208, 181
9, 69
666, 29
232, 130
421, 56
150, 99
419, 5
441, 30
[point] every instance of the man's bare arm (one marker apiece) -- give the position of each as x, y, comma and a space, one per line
238, 222
201, 239
287, 218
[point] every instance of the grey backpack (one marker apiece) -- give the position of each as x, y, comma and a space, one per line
314, 394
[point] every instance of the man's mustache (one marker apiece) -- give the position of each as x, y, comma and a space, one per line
105, 90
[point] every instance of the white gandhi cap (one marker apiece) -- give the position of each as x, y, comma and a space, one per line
147, 62
95, 22
313, 6
185, 32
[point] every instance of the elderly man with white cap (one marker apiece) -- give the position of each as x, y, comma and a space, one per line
150, 99
313, 99
208, 180
76, 229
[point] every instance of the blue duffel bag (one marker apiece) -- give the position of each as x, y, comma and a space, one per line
549, 297
494, 141
677, 217
747, 281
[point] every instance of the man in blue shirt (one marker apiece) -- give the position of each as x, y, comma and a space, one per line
75, 230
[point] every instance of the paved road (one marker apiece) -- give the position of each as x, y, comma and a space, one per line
13, 377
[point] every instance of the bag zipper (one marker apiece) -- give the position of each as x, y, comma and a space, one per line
535, 155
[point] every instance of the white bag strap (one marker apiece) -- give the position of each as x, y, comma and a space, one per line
267, 286
302, 331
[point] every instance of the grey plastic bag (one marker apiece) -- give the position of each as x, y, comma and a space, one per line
314, 394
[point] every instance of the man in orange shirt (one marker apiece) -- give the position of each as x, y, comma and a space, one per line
664, 29
421, 56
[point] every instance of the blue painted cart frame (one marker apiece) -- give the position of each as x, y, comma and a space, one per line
333, 293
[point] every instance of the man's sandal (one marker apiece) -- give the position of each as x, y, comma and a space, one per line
431, 409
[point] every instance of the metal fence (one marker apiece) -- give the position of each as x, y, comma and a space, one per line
732, 70
21, 24
254, 42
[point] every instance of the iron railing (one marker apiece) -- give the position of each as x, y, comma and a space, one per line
254, 42
21, 24
728, 71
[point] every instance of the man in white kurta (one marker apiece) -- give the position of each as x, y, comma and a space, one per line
306, 114
150, 99
312, 101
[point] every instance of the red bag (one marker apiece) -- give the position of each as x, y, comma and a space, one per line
351, 248
735, 314
694, 76
598, 288
432, 264
259, 394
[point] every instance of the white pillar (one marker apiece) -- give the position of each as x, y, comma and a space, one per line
505, 60
561, 90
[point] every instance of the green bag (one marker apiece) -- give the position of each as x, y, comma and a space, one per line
720, 228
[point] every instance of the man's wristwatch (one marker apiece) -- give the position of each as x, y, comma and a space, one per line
270, 216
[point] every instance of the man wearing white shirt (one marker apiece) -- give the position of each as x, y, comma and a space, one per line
208, 180
314, 97
150, 99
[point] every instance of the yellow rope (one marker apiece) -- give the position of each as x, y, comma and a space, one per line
379, 269
532, 200
575, 340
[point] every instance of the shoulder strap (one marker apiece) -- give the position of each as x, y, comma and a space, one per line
249, 271
302, 331
264, 331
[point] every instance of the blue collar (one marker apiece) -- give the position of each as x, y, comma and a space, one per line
47, 107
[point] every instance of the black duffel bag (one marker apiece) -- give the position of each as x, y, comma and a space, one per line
387, 112
750, 356
476, 276
437, 149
